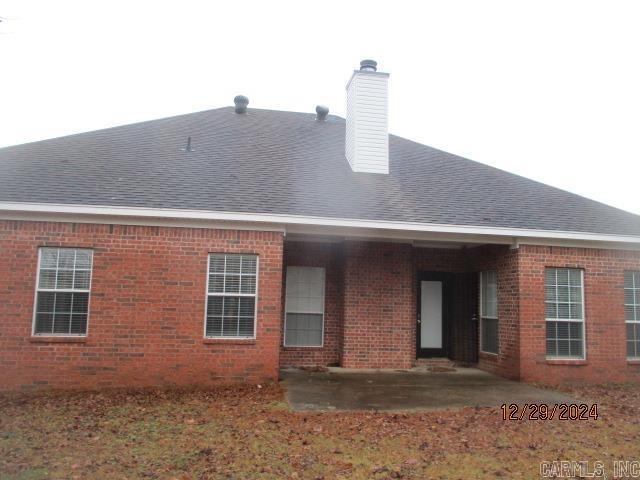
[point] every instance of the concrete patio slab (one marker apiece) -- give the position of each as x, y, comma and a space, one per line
401, 390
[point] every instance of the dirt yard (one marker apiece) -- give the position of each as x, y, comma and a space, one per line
249, 432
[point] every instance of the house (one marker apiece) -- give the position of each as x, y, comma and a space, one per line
222, 245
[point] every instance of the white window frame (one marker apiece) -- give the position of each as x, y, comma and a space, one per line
636, 309
61, 290
208, 294
483, 316
572, 320
286, 309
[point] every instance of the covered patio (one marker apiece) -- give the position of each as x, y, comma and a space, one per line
406, 390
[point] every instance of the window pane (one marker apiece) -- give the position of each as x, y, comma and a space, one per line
633, 340
230, 326
247, 284
214, 326
233, 264
303, 330
64, 279
83, 259
576, 311
630, 313
575, 348
62, 322
81, 280
44, 323
232, 284
78, 323
489, 294
216, 264
551, 310
230, 306
49, 258
80, 303
246, 327
63, 302
214, 306
247, 306
489, 335
47, 279
563, 348
562, 274
249, 264
66, 258
216, 283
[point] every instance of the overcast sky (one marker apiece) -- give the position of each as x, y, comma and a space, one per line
548, 90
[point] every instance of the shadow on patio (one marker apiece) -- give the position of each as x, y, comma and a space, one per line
400, 390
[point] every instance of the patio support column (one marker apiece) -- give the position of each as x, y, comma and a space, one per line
379, 310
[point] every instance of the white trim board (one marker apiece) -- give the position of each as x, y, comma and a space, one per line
308, 224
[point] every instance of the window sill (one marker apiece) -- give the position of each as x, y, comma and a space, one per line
53, 339
489, 354
229, 341
310, 347
566, 361
633, 361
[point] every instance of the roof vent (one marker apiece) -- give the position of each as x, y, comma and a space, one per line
321, 113
369, 65
188, 147
241, 103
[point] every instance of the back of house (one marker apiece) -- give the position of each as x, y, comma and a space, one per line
223, 245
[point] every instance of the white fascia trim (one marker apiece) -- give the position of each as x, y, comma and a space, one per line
270, 218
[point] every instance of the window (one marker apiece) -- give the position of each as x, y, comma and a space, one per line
231, 296
632, 312
564, 307
489, 312
62, 291
304, 307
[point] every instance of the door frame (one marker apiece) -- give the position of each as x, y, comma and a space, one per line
447, 282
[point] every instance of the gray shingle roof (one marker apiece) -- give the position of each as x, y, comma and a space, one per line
286, 163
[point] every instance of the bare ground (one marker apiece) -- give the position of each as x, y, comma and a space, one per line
249, 432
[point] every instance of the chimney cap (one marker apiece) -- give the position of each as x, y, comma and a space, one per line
321, 113
368, 65
241, 103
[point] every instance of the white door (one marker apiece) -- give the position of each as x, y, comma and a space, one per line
430, 314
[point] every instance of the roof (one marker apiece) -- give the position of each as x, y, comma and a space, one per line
275, 162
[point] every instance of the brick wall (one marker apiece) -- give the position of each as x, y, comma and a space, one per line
328, 256
604, 315
146, 309
379, 307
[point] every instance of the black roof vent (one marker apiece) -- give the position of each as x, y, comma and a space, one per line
188, 147
321, 113
369, 65
241, 103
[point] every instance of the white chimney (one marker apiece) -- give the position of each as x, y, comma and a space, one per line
367, 136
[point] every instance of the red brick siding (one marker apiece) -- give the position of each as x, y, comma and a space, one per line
328, 256
604, 314
146, 309
379, 307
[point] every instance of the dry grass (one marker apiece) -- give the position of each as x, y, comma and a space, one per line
248, 432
